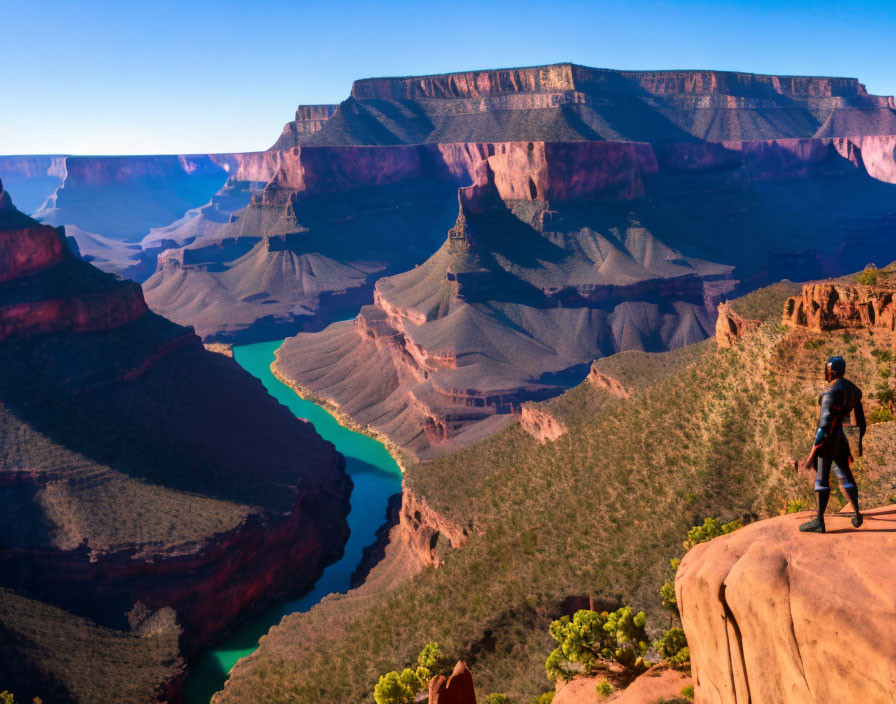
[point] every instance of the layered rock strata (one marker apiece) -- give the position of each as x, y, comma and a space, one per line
564, 102
124, 462
526, 291
830, 306
767, 611
309, 120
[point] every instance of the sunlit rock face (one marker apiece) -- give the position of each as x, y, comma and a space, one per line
766, 610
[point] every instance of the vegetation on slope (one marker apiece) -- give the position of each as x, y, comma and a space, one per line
596, 513
42, 655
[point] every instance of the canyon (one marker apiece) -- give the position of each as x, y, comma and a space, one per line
448, 256
131, 514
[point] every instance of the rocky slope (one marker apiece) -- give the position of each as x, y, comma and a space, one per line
562, 253
139, 497
699, 431
771, 614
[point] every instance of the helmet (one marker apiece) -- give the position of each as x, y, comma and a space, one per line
837, 365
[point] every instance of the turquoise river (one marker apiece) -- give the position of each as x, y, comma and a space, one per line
376, 477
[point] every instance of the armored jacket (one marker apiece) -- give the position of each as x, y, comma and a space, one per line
836, 403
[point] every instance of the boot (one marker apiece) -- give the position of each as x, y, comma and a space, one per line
816, 525
853, 493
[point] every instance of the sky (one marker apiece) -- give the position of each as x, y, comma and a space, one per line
162, 77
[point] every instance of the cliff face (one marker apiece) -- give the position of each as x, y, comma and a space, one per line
309, 119
767, 610
565, 102
578, 280
124, 464
831, 306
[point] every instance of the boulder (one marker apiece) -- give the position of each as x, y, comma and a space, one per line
456, 689
775, 615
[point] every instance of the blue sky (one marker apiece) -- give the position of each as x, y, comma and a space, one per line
98, 77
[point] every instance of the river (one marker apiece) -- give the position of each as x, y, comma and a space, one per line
376, 477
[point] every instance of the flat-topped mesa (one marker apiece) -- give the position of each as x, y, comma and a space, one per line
309, 119
470, 84
833, 306
559, 78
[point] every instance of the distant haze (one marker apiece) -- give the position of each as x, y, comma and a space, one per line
162, 77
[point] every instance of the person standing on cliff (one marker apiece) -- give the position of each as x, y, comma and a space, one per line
831, 447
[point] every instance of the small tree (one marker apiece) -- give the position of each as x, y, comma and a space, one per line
590, 638
403, 687
398, 687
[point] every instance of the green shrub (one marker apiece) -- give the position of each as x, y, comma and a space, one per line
796, 506
8, 698
885, 371
430, 656
604, 689
545, 698
590, 638
881, 414
884, 393
711, 528
400, 687
667, 592
882, 355
869, 276
498, 698
673, 647
688, 691
403, 687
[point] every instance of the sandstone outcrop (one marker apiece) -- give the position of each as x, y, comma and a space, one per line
830, 306
730, 326
540, 425
605, 382
457, 688
427, 532
660, 683
773, 615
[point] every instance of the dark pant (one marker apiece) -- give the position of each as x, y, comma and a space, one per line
839, 460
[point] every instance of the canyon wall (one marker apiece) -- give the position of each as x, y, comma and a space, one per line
309, 119
125, 481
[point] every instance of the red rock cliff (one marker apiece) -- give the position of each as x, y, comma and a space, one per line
775, 615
